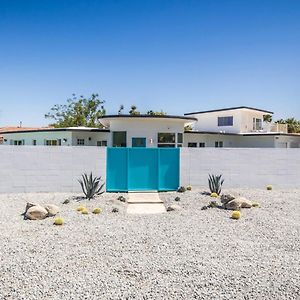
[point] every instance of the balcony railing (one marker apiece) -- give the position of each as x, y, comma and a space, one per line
274, 127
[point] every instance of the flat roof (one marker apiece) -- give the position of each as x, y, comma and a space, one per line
230, 108
150, 117
59, 129
245, 134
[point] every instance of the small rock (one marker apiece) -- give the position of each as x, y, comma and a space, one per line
67, 201
173, 207
122, 199
177, 199
115, 210
204, 207
181, 189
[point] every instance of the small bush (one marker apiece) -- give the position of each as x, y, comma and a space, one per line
58, 221
188, 188
80, 208
97, 210
85, 212
236, 214
269, 188
181, 189
214, 195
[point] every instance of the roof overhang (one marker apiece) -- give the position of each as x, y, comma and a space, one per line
106, 120
232, 108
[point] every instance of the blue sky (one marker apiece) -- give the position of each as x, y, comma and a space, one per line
178, 56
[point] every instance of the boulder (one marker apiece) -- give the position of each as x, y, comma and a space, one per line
238, 203
36, 212
51, 209
173, 207
225, 198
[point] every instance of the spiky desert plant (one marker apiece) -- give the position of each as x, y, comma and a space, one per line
215, 183
91, 185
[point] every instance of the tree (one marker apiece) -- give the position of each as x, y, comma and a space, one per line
133, 111
120, 111
292, 123
78, 112
268, 118
156, 113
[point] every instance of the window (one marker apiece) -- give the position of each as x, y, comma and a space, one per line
192, 145
179, 138
34, 142
80, 142
102, 143
119, 139
166, 140
225, 121
257, 124
166, 145
166, 137
202, 145
18, 142
51, 142
219, 144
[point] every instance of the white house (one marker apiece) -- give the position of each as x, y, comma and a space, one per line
229, 127
238, 127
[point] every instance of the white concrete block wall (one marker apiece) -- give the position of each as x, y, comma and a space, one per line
48, 169
241, 167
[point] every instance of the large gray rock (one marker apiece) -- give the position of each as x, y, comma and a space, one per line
225, 198
36, 212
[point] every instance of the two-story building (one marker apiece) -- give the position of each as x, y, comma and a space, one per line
229, 127
238, 127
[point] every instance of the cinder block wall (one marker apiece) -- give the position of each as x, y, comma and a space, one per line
241, 167
48, 169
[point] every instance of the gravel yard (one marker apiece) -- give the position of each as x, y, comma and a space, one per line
186, 254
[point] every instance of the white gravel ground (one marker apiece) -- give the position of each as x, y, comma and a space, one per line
187, 254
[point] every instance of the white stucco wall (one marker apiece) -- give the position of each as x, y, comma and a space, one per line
146, 128
242, 121
70, 136
90, 138
244, 168
40, 137
48, 169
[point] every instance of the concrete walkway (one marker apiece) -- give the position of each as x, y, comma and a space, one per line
145, 203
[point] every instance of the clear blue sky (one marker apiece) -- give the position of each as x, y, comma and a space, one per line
178, 56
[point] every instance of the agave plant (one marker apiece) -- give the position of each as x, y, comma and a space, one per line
215, 183
91, 185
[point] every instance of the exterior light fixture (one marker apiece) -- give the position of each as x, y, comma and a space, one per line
64, 140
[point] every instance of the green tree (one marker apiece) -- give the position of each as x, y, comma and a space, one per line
268, 118
156, 113
80, 111
133, 111
120, 111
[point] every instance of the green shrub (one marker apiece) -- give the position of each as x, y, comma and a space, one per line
181, 189
269, 188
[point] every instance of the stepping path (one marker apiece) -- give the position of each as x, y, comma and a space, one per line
145, 203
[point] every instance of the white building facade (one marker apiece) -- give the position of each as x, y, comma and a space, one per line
230, 127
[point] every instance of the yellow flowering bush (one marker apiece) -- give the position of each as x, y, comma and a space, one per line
58, 221
214, 195
97, 210
236, 214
